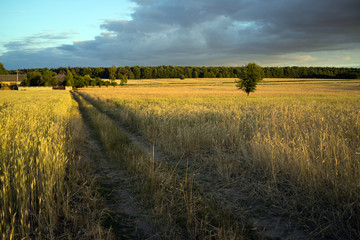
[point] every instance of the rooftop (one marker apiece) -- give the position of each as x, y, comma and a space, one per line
12, 78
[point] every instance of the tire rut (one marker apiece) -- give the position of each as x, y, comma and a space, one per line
124, 214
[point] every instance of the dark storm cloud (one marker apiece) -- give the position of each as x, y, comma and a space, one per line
170, 27
216, 32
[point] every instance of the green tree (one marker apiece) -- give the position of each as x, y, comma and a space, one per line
25, 82
112, 72
146, 73
136, 71
79, 81
119, 72
124, 80
194, 73
98, 72
69, 79
87, 80
99, 82
48, 78
3, 70
34, 79
249, 78
187, 72
92, 83
130, 73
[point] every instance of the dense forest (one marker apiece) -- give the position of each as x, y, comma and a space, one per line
139, 72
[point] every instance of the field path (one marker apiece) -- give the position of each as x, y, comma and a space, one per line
268, 221
125, 215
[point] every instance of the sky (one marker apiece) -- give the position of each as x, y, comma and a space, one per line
94, 33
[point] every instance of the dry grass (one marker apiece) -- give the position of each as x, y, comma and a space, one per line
297, 145
42, 192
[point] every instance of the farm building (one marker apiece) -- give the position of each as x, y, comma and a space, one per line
12, 81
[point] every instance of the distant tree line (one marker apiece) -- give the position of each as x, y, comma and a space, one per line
92, 76
140, 72
46, 77
311, 72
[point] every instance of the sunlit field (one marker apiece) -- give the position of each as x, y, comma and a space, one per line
225, 87
42, 194
293, 144
221, 165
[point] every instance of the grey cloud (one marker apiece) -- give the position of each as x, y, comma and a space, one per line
218, 32
278, 26
52, 36
67, 47
35, 41
15, 45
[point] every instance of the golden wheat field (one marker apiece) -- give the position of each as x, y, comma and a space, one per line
39, 167
295, 145
283, 163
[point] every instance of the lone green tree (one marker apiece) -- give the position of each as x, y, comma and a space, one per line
249, 78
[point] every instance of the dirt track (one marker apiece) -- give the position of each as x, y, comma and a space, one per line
267, 220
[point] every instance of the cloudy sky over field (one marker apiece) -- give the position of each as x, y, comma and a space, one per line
42, 33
